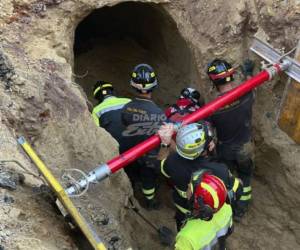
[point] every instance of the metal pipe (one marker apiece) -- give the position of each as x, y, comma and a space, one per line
132, 154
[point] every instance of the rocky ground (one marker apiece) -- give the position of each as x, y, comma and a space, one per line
40, 99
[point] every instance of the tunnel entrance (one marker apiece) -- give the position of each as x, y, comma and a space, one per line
108, 44
112, 40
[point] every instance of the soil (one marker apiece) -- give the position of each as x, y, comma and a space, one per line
50, 57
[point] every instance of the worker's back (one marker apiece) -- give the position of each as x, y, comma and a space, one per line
233, 122
108, 116
142, 118
179, 170
199, 234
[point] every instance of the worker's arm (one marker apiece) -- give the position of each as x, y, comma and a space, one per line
165, 133
96, 118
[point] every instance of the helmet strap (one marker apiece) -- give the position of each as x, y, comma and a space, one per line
204, 212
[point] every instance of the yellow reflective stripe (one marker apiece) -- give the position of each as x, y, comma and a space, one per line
196, 144
210, 69
110, 102
102, 87
162, 168
235, 185
148, 191
106, 85
149, 197
96, 90
247, 189
96, 119
185, 154
181, 193
246, 197
212, 192
181, 209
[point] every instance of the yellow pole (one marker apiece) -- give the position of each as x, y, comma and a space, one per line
63, 197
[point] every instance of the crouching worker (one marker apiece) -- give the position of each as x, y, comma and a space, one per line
192, 144
209, 222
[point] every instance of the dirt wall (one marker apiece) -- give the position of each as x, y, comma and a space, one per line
40, 100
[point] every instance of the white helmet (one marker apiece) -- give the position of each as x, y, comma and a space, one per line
192, 140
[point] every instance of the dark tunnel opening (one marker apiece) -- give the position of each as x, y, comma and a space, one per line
109, 43
112, 40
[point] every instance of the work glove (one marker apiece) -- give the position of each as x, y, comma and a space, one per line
248, 67
165, 133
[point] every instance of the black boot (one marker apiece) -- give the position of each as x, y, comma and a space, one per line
239, 210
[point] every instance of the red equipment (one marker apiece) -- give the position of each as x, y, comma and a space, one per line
132, 154
112, 166
212, 191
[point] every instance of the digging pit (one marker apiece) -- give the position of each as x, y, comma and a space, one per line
44, 50
112, 40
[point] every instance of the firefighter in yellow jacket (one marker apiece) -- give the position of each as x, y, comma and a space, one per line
210, 220
107, 114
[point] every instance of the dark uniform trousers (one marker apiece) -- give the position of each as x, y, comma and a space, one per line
240, 159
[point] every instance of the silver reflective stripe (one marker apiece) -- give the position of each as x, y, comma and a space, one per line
220, 233
211, 244
224, 230
103, 111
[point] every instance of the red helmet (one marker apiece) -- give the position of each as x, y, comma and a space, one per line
209, 194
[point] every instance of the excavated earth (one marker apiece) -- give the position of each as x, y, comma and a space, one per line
52, 52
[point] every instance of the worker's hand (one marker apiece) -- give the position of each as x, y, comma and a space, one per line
211, 146
248, 67
165, 133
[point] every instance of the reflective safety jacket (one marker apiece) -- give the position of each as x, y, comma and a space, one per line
108, 115
198, 234
179, 170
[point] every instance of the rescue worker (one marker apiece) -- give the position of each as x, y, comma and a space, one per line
188, 102
210, 219
142, 118
233, 127
192, 145
107, 113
